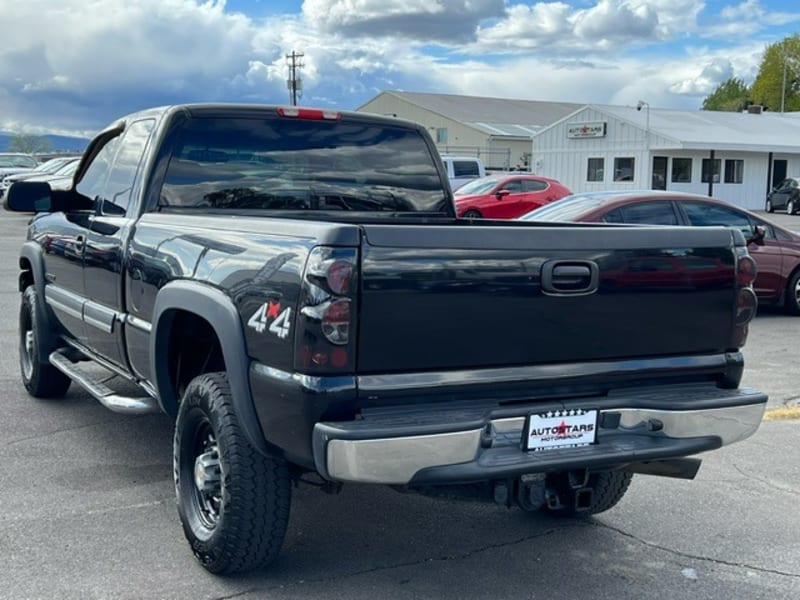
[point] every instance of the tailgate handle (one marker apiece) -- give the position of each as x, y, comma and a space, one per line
570, 277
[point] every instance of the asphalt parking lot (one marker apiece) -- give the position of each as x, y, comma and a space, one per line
88, 512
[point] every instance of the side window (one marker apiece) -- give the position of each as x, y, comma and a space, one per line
706, 215
465, 168
710, 170
531, 185
734, 170
117, 194
681, 170
514, 186
650, 213
94, 178
614, 216
595, 169
623, 169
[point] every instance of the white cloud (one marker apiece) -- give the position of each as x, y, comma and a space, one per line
713, 73
608, 26
747, 18
612, 21
447, 21
527, 27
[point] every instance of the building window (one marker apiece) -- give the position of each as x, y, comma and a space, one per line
710, 173
596, 169
681, 170
441, 135
623, 169
734, 169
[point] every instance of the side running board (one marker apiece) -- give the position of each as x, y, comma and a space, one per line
100, 391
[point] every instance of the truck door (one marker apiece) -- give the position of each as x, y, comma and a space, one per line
106, 238
65, 244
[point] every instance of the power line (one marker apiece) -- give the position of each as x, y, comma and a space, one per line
294, 83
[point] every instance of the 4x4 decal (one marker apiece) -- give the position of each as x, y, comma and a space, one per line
281, 320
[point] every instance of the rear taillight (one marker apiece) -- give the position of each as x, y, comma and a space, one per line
326, 333
336, 322
746, 270
746, 300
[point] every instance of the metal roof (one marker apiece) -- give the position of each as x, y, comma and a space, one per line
717, 130
494, 116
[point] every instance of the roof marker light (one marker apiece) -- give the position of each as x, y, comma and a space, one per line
309, 113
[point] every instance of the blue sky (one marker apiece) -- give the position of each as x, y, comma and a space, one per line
73, 66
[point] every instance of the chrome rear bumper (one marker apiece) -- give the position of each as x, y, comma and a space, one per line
492, 449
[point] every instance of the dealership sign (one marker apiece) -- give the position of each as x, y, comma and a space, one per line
587, 130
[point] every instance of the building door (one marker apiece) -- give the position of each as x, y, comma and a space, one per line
778, 171
659, 172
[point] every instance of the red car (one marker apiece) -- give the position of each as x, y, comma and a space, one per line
776, 250
506, 196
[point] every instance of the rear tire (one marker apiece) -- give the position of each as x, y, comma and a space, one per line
791, 302
790, 207
768, 206
232, 500
41, 379
472, 214
608, 488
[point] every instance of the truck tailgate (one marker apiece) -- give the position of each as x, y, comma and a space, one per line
439, 297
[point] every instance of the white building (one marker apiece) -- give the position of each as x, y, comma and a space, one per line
733, 156
498, 130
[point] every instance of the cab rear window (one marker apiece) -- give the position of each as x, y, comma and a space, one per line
291, 164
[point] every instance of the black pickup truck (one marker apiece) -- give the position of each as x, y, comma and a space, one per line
293, 286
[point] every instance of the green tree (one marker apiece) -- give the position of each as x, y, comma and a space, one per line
29, 144
731, 95
768, 88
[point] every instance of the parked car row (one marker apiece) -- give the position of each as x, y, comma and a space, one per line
506, 195
51, 171
16, 162
57, 172
775, 249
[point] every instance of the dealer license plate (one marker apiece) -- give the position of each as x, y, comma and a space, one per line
560, 429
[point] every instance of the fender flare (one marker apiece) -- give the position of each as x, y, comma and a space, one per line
34, 254
218, 310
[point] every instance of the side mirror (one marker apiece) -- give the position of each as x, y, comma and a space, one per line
29, 196
500, 194
759, 233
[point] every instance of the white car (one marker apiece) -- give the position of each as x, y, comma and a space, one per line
462, 169
16, 162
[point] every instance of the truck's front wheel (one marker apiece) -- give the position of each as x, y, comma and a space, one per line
42, 380
233, 501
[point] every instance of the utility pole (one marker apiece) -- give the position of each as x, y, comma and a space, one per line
648, 161
294, 61
783, 87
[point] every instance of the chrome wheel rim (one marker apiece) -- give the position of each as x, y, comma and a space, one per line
26, 353
207, 476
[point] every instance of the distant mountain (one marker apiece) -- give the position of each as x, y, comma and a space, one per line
61, 143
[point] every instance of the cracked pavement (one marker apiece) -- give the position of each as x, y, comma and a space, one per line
88, 512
